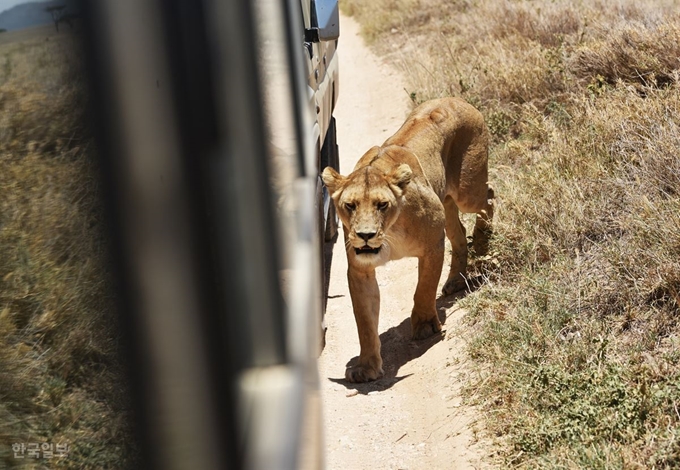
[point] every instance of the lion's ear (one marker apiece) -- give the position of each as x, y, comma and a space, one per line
400, 176
332, 179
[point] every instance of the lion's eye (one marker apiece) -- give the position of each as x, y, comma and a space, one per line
350, 206
382, 205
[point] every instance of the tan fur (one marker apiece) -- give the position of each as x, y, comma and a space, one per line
401, 198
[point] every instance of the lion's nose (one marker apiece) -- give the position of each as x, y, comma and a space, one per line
366, 235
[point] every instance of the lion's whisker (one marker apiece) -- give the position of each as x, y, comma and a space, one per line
389, 239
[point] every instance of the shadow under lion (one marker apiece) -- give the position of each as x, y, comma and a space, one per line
397, 347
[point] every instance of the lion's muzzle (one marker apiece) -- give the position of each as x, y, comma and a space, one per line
364, 250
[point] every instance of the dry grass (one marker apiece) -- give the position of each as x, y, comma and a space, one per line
577, 328
60, 376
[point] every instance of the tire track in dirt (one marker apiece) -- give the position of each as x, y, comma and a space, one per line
413, 418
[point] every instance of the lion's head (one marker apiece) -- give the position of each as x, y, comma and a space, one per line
368, 202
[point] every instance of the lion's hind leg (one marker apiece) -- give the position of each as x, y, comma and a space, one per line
483, 225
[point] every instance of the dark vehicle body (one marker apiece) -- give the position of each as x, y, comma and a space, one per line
213, 120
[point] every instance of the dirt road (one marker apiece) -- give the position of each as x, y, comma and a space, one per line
413, 417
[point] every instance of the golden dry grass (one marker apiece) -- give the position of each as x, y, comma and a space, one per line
61, 380
576, 328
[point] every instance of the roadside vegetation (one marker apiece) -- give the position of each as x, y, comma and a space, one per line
576, 327
61, 380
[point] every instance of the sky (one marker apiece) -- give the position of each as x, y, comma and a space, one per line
7, 4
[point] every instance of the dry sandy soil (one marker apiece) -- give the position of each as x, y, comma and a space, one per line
414, 417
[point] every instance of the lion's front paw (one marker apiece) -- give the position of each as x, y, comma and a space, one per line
358, 374
454, 285
426, 329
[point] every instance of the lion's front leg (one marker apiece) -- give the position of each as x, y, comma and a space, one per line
363, 288
424, 318
455, 231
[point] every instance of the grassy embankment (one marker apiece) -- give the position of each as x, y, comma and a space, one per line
60, 379
576, 329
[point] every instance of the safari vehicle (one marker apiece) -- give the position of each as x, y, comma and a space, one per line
211, 133
321, 42
320, 19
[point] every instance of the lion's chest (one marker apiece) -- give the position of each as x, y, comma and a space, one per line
420, 224
403, 244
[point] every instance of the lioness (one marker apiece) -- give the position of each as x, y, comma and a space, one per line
399, 200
